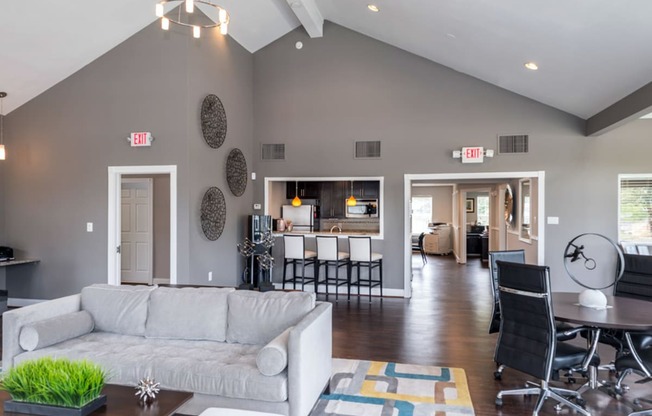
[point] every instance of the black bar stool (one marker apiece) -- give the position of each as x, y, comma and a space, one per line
362, 256
328, 254
297, 255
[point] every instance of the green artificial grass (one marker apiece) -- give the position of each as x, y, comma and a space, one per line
58, 382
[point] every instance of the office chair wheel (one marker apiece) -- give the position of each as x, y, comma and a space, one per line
571, 380
499, 402
498, 375
580, 402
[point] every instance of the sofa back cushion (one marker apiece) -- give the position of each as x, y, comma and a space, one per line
188, 313
257, 318
117, 309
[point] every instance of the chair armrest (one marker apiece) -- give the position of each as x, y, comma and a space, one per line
310, 354
14, 320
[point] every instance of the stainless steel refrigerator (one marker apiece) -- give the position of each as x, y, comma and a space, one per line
304, 218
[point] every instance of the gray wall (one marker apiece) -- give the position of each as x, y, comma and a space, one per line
346, 86
62, 142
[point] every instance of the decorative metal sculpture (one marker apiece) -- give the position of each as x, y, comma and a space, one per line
146, 390
261, 251
213, 121
236, 172
213, 213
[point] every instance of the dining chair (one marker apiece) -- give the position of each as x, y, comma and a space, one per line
565, 332
297, 255
361, 256
329, 255
527, 339
418, 246
636, 360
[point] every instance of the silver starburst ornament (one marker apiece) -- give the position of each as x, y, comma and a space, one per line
146, 390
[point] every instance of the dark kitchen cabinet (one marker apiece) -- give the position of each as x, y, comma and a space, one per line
365, 189
304, 189
332, 198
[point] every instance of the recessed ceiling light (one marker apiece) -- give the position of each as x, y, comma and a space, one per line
450, 35
373, 7
531, 66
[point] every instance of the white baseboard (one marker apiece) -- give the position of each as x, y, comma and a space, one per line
398, 293
20, 302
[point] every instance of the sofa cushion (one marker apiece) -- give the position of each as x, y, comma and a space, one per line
273, 357
188, 313
117, 309
205, 367
257, 318
51, 331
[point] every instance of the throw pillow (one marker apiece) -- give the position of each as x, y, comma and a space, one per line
52, 331
257, 318
273, 357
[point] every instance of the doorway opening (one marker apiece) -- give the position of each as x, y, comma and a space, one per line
142, 225
488, 189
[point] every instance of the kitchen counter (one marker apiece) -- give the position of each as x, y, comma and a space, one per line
343, 234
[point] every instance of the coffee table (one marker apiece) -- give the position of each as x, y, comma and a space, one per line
121, 401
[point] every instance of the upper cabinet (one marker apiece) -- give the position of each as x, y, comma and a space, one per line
366, 189
332, 199
303, 189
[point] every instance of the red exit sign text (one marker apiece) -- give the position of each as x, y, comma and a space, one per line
472, 154
139, 139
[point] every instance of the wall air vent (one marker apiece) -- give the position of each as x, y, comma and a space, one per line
516, 143
273, 151
367, 150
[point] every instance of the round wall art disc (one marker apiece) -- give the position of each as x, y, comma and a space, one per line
236, 172
213, 213
213, 121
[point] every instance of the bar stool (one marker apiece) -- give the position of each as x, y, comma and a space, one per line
361, 255
296, 254
328, 254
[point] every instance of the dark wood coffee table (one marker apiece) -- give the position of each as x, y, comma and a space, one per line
121, 401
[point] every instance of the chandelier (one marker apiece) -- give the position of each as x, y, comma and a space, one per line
210, 15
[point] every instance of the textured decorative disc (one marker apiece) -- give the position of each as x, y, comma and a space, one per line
236, 172
213, 121
213, 213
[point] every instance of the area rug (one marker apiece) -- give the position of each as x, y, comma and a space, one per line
378, 388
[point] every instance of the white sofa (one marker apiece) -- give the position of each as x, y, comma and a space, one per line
237, 349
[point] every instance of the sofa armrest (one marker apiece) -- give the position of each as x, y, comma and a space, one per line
14, 320
310, 354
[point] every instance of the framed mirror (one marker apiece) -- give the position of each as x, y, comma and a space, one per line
509, 205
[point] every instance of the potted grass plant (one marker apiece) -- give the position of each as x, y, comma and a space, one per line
54, 387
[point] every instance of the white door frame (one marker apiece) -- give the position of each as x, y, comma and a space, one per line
114, 237
407, 187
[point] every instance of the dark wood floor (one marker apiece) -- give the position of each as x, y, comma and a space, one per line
445, 324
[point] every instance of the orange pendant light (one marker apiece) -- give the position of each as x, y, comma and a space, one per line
351, 202
296, 202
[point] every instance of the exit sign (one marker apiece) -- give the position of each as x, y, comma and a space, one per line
140, 139
472, 154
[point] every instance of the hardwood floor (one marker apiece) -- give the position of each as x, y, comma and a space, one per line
445, 323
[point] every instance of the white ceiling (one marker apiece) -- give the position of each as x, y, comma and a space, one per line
591, 53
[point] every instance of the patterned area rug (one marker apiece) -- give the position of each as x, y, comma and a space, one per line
378, 388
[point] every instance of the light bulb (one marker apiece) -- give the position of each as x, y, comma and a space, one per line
296, 202
3, 155
223, 16
159, 10
196, 32
190, 6
165, 23
223, 28
351, 202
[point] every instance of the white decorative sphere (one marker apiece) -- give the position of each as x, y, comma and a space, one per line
593, 299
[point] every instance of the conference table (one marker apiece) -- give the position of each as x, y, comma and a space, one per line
622, 313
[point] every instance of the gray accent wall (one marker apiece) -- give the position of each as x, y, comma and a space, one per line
346, 87
61, 143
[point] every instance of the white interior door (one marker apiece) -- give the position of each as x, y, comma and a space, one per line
136, 217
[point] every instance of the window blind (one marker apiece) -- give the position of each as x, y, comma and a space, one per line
635, 209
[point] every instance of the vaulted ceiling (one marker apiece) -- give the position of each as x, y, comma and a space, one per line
590, 53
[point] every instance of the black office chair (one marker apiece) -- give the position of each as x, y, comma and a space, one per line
527, 340
565, 332
636, 360
418, 246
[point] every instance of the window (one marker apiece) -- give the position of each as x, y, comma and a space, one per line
635, 208
421, 213
482, 209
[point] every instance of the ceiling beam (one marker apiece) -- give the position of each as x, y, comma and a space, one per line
309, 16
633, 106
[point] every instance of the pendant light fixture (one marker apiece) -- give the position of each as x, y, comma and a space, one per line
2, 127
351, 202
207, 15
296, 202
